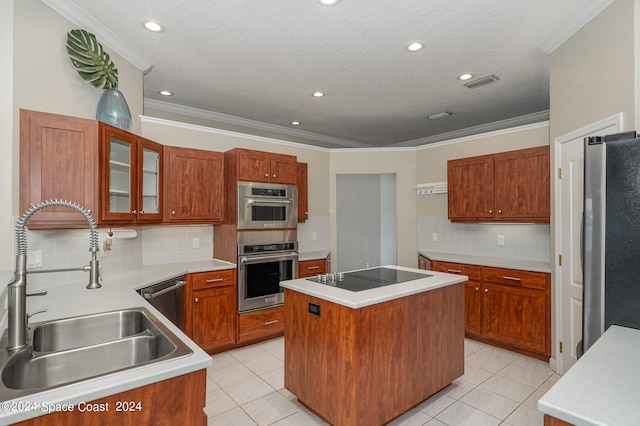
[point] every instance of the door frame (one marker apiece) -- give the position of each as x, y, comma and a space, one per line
556, 363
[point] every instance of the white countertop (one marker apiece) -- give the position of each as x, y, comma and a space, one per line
117, 292
313, 255
523, 264
360, 299
602, 388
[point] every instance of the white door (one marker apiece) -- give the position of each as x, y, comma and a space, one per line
569, 206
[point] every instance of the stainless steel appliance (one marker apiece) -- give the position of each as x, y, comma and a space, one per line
267, 206
611, 235
265, 259
168, 298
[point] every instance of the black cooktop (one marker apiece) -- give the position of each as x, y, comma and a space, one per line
368, 278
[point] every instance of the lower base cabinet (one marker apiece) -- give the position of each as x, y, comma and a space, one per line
260, 324
506, 307
177, 401
211, 309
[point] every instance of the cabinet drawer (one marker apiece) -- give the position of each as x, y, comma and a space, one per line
258, 324
309, 268
472, 271
515, 277
213, 279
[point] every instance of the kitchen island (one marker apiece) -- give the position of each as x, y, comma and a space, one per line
365, 357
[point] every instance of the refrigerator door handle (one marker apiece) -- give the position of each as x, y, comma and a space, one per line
582, 244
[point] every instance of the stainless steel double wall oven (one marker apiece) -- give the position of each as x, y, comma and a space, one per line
267, 243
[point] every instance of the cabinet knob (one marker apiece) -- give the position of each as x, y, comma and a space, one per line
273, 176
141, 211
486, 290
266, 175
196, 300
173, 212
499, 211
477, 288
490, 211
134, 212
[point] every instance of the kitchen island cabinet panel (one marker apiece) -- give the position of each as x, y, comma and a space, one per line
176, 401
369, 365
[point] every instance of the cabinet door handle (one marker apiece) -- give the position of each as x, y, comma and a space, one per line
196, 300
486, 290
311, 268
454, 271
477, 288
270, 322
214, 280
511, 278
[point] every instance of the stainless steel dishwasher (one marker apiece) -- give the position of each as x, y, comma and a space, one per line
168, 298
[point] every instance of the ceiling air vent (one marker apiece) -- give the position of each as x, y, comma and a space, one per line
482, 81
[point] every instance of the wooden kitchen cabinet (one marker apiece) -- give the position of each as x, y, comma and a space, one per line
310, 268
423, 262
472, 295
302, 182
261, 324
194, 189
58, 160
176, 401
130, 178
506, 307
211, 309
511, 186
259, 166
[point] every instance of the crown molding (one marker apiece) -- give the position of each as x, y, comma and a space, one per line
509, 123
73, 13
589, 11
251, 124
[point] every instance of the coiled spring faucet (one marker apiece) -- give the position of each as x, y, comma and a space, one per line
17, 289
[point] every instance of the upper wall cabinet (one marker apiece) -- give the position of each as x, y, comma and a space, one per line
259, 166
115, 174
130, 177
511, 186
303, 192
58, 160
194, 189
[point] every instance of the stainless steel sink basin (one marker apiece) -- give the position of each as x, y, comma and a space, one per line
80, 348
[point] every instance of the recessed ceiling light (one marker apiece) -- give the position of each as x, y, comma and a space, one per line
415, 46
153, 26
466, 76
295, 123
327, 2
318, 94
166, 93
439, 115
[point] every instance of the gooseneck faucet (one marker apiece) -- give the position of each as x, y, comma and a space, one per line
17, 289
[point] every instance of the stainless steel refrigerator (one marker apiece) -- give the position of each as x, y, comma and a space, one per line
610, 235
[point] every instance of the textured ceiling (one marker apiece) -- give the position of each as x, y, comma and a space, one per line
255, 63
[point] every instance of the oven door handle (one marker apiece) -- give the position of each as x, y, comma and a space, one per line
176, 286
252, 259
273, 202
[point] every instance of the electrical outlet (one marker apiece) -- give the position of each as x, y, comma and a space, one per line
34, 259
196, 242
434, 236
500, 240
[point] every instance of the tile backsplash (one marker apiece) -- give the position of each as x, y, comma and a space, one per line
313, 235
521, 241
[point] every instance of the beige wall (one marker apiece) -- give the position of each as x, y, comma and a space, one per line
592, 73
6, 134
431, 160
398, 161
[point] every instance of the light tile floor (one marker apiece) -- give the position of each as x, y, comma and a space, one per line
246, 387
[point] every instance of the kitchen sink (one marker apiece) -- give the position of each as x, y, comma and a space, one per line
81, 348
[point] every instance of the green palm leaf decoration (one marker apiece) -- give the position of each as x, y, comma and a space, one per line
91, 61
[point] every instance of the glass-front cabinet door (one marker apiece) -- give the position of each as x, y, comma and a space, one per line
150, 180
131, 178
